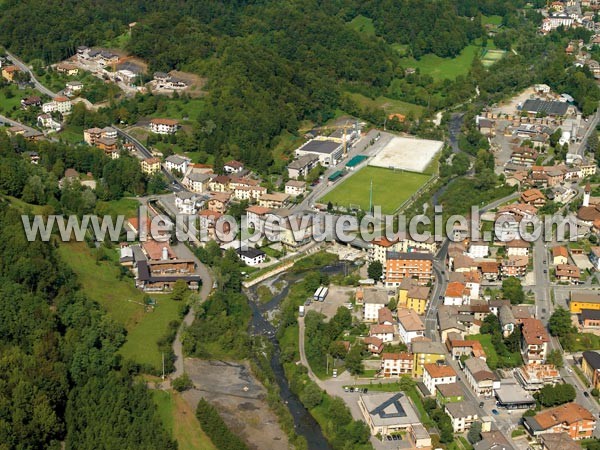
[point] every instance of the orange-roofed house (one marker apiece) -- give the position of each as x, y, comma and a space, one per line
158, 251
396, 364
9, 72
457, 294
533, 197
460, 347
560, 255
569, 273
534, 341
374, 344
571, 418
434, 374
164, 126
384, 316
150, 166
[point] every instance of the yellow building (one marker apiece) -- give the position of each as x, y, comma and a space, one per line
416, 299
426, 353
150, 165
584, 300
590, 365
8, 72
405, 286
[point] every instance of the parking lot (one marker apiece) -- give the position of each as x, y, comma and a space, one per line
338, 296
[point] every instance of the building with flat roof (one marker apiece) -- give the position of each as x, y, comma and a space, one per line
328, 151
584, 300
388, 413
590, 365
550, 108
511, 395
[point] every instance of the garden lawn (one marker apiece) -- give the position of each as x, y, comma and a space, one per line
179, 419
389, 105
390, 188
493, 359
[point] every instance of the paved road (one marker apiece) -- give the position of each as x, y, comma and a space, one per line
593, 121
21, 65
174, 183
14, 123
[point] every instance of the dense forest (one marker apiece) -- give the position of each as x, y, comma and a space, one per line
61, 378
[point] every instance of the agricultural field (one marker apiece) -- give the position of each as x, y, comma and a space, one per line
363, 24
390, 188
389, 105
119, 297
179, 419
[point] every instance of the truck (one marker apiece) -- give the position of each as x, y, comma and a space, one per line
317, 294
301, 310
323, 293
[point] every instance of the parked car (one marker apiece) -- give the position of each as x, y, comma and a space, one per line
586, 393
495, 412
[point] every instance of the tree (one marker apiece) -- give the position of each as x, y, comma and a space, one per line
490, 324
513, 341
555, 395
182, 383
354, 363
555, 357
592, 142
474, 434
560, 323
393, 304
512, 289
311, 396
180, 290
375, 270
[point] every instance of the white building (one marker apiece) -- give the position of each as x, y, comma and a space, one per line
478, 249
251, 256
295, 188
329, 151
410, 325
374, 300
480, 377
435, 374
164, 126
59, 104
177, 162
462, 414
187, 202
196, 182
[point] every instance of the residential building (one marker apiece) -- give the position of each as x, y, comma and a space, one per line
375, 345
178, 163
462, 414
449, 393
412, 265
256, 217
384, 316
590, 318
514, 266
490, 270
534, 341
250, 193
417, 298
410, 325
274, 200
164, 126
570, 418
480, 377
187, 202
233, 166
9, 72
478, 249
569, 273
295, 188
196, 182
251, 256
517, 247
387, 413
150, 166
378, 249
590, 365
218, 201
73, 87
580, 300
67, 69
534, 377
459, 347
302, 166
436, 374
383, 332
426, 352
373, 301
533, 197
34, 100
329, 151
560, 255
59, 104
457, 294
558, 441
396, 364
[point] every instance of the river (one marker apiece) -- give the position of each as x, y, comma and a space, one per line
304, 423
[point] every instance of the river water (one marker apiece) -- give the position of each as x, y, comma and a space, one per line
304, 423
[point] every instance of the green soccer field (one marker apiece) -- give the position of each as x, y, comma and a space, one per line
390, 188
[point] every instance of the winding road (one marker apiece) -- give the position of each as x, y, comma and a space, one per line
21, 65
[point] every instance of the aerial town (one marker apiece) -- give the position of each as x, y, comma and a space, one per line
301, 329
